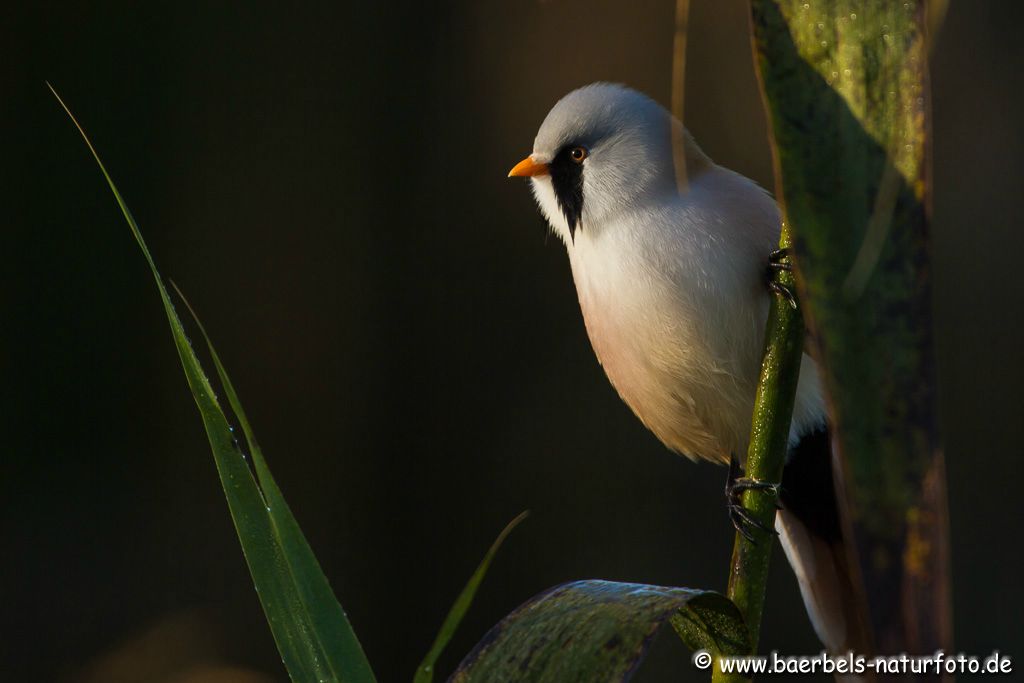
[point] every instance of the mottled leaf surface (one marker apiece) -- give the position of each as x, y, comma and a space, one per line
846, 87
595, 631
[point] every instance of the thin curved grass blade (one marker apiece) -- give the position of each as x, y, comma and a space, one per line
313, 591
313, 635
425, 672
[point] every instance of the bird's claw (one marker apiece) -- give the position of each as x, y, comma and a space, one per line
742, 484
778, 262
783, 291
742, 520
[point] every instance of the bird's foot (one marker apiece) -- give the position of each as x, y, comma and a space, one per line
778, 262
742, 520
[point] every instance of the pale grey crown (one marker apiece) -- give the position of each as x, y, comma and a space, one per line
629, 139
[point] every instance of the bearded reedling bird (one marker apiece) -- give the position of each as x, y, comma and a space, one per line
673, 289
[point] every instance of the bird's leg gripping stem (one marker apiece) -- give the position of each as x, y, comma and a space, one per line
778, 262
735, 485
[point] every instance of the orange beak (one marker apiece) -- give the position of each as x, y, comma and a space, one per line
527, 168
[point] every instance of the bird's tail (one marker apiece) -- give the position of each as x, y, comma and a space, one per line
811, 535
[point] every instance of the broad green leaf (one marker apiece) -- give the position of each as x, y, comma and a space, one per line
709, 623
313, 635
596, 632
846, 88
425, 672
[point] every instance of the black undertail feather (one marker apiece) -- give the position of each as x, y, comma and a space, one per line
567, 179
808, 489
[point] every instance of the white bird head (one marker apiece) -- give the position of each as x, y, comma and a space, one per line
603, 149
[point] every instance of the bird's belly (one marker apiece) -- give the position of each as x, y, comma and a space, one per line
682, 386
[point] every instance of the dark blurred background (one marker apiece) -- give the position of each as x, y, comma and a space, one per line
327, 184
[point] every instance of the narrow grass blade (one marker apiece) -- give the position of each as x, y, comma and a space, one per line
326, 615
425, 672
312, 634
598, 632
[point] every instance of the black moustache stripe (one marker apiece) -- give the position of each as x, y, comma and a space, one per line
567, 179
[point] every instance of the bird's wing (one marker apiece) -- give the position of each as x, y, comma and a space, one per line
811, 535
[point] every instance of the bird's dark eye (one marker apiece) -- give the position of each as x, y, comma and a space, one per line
578, 154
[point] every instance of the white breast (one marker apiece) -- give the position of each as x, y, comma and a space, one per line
674, 302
